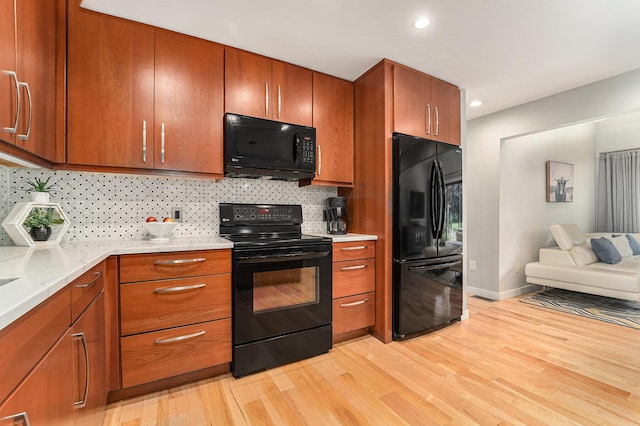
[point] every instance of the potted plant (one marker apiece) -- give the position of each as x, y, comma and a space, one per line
39, 223
40, 189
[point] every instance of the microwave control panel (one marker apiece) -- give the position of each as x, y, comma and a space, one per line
306, 148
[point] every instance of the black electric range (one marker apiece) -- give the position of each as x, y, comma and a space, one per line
281, 286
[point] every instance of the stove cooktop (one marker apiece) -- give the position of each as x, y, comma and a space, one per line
274, 239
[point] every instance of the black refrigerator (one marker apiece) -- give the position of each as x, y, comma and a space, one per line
427, 235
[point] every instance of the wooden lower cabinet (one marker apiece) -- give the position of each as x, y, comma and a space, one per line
89, 364
354, 270
148, 357
45, 396
175, 314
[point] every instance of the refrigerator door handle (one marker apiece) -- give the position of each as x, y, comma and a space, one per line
441, 199
434, 198
434, 267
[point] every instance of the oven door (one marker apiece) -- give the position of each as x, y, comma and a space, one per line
277, 291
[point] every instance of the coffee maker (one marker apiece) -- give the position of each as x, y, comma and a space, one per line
335, 214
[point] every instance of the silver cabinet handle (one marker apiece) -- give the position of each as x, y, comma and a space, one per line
428, 119
179, 338
24, 416
353, 248
144, 141
179, 261
359, 302
14, 129
437, 121
83, 401
266, 99
92, 282
28, 132
352, 268
319, 160
279, 102
178, 289
162, 144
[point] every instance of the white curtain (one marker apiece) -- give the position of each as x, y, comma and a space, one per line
618, 193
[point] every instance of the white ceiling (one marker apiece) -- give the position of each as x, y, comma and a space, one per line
503, 52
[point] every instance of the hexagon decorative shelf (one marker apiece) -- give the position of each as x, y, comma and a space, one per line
19, 233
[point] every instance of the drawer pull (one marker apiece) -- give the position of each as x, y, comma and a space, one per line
92, 282
178, 289
354, 248
25, 418
179, 261
352, 268
179, 338
359, 302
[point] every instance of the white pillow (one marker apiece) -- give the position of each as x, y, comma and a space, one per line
583, 254
621, 243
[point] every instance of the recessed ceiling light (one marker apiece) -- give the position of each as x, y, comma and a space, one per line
421, 23
475, 103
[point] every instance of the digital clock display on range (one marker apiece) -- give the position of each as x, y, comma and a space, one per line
263, 211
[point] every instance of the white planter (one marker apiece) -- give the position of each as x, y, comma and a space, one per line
40, 197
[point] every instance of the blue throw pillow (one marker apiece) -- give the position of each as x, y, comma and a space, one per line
605, 250
635, 246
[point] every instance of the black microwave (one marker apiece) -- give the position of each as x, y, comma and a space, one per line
254, 147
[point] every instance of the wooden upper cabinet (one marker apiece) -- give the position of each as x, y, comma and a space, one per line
333, 120
110, 84
446, 101
425, 106
261, 87
8, 74
189, 99
28, 51
411, 101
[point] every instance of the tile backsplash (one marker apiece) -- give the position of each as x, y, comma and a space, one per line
113, 206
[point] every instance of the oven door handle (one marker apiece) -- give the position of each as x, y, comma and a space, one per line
283, 257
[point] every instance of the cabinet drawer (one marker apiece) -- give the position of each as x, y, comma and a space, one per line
85, 288
24, 342
353, 277
354, 250
153, 356
157, 266
353, 312
153, 305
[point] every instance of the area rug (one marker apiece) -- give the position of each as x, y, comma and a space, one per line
616, 311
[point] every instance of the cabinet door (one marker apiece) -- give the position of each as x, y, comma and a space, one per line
247, 84
333, 120
109, 90
8, 82
46, 394
411, 102
189, 79
292, 93
89, 365
445, 112
36, 69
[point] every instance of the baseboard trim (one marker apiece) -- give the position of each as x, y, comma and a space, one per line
492, 295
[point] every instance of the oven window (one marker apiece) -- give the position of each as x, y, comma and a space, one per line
285, 288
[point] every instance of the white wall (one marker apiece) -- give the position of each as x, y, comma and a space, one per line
618, 133
525, 215
482, 175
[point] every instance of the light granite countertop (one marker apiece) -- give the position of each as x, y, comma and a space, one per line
43, 270
345, 238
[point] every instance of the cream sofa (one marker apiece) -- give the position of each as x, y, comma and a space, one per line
573, 265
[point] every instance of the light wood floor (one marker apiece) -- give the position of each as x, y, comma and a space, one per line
510, 363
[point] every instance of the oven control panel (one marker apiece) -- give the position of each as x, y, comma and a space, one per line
237, 214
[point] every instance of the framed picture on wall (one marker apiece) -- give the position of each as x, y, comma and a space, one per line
559, 182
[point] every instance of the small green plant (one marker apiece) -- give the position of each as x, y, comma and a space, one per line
41, 217
40, 185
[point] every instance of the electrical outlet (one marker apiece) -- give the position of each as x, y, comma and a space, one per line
176, 214
517, 267
472, 265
